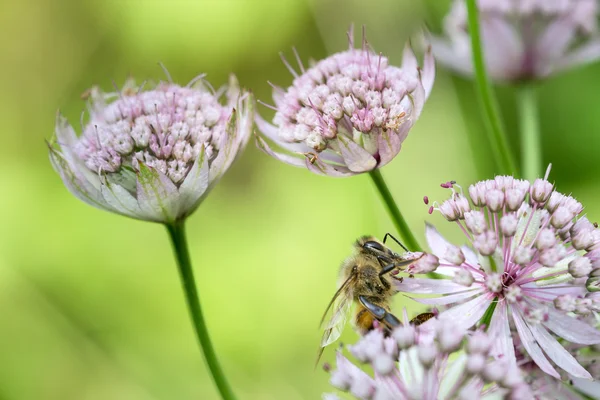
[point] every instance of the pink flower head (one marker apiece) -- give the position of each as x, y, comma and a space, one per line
522, 40
523, 262
153, 154
348, 113
450, 365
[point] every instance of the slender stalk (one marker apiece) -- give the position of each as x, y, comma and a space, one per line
531, 144
180, 248
401, 226
502, 154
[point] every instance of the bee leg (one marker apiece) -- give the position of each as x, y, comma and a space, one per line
395, 240
388, 319
383, 260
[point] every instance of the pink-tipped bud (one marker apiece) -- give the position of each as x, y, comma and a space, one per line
427, 354
565, 302
495, 200
540, 191
514, 198
383, 364
405, 336
508, 225
454, 255
523, 255
475, 221
462, 203
463, 277
449, 336
424, 265
477, 194
546, 239
479, 343
580, 267
550, 257
486, 243
495, 371
475, 364
561, 217
449, 210
583, 306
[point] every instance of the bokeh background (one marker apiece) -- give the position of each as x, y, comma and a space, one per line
90, 303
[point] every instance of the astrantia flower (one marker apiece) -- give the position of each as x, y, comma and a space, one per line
348, 113
422, 369
529, 255
152, 154
522, 40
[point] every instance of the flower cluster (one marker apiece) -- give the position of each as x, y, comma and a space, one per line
349, 113
531, 262
522, 39
152, 154
447, 364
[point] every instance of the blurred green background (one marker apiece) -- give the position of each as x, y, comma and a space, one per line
90, 302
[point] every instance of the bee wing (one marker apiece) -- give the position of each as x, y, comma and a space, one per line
341, 303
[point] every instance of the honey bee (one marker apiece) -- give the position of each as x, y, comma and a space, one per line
366, 280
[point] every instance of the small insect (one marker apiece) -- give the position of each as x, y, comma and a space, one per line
366, 279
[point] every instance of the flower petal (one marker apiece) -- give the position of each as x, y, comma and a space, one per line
447, 54
552, 44
77, 184
270, 132
195, 185
428, 72
355, 157
467, 314
557, 353
388, 145
286, 158
429, 286
504, 48
320, 167
584, 54
437, 243
531, 346
121, 200
409, 60
502, 343
228, 149
449, 299
571, 329
157, 195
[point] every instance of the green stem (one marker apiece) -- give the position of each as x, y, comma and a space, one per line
502, 154
180, 248
401, 226
531, 144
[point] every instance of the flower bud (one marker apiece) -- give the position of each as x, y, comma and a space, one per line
477, 194
546, 239
580, 267
405, 336
561, 217
495, 200
475, 221
522, 255
427, 353
565, 303
454, 255
424, 265
463, 277
508, 225
478, 342
514, 198
540, 191
475, 364
494, 282
550, 257
486, 243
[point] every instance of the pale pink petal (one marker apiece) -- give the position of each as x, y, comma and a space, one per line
587, 53
503, 48
270, 132
195, 185
429, 286
552, 44
550, 292
121, 200
557, 353
571, 329
467, 314
157, 195
502, 343
437, 243
286, 158
229, 148
389, 144
470, 256
322, 168
531, 346
428, 72
409, 61
449, 299
355, 157
446, 54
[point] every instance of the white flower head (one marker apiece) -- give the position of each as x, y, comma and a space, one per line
526, 272
153, 154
